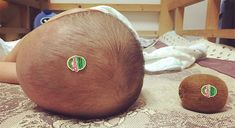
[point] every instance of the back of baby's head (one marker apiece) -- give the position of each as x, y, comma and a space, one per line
111, 75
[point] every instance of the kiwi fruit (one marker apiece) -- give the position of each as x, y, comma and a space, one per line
203, 93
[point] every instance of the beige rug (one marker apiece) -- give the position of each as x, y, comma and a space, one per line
158, 106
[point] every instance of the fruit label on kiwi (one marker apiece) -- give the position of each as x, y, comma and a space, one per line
76, 63
208, 90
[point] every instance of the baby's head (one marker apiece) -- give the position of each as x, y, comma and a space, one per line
111, 80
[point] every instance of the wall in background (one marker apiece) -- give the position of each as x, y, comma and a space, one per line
195, 15
143, 20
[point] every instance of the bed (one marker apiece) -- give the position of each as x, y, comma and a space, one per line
153, 108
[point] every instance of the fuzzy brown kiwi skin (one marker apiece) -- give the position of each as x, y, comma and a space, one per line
192, 99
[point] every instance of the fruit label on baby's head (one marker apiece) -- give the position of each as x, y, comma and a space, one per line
76, 63
208, 90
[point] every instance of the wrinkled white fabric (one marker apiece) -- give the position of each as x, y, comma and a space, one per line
173, 57
7, 46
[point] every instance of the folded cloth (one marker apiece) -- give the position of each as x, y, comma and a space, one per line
8, 46
173, 57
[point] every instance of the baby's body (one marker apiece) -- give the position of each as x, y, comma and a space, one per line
110, 82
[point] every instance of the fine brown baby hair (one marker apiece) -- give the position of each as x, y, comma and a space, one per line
112, 79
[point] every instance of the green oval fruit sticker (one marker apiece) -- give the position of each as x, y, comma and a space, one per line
76, 63
208, 90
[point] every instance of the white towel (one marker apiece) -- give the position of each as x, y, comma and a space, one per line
173, 57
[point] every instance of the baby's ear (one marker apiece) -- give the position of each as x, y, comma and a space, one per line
75, 10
